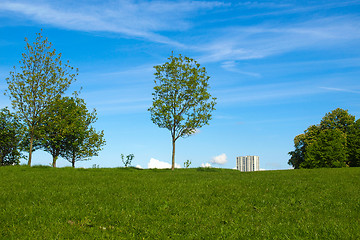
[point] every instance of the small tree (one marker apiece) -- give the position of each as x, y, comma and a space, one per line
181, 101
82, 141
187, 164
127, 161
64, 117
43, 77
10, 138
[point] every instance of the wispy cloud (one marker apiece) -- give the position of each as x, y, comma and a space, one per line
231, 66
138, 70
256, 4
340, 90
289, 9
152, 20
267, 92
141, 19
255, 42
118, 101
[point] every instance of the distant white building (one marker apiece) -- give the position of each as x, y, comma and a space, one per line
247, 163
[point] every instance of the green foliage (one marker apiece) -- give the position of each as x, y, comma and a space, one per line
42, 78
187, 163
297, 156
329, 150
60, 121
353, 143
11, 132
125, 203
332, 143
78, 140
337, 119
127, 161
181, 101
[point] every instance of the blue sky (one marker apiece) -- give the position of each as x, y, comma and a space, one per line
276, 67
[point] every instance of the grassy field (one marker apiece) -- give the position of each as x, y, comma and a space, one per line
66, 203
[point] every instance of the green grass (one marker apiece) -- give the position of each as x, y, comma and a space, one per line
66, 203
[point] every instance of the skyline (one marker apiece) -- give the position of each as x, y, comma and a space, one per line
275, 68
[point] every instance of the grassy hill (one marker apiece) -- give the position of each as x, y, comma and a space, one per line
66, 203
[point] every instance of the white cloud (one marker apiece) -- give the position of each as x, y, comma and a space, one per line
150, 19
340, 89
221, 159
206, 165
140, 19
138, 166
231, 67
154, 163
255, 42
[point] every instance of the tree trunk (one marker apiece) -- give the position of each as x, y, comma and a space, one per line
173, 154
1, 160
73, 160
31, 147
54, 161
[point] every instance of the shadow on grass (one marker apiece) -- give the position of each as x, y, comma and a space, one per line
201, 169
41, 166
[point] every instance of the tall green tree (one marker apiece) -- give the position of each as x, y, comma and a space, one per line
181, 101
301, 142
82, 141
353, 143
42, 78
10, 138
327, 151
335, 142
337, 119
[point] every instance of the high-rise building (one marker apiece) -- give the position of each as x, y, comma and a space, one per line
247, 163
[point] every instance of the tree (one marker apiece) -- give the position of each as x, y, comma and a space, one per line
353, 143
297, 156
181, 101
42, 79
127, 161
337, 119
187, 163
10, 138
59, 122
335, 142
83, 146
82, 141
328, 150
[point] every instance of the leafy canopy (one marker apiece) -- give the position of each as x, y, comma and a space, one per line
181, 101
80, 141
335, 142
42, 78
10, 138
